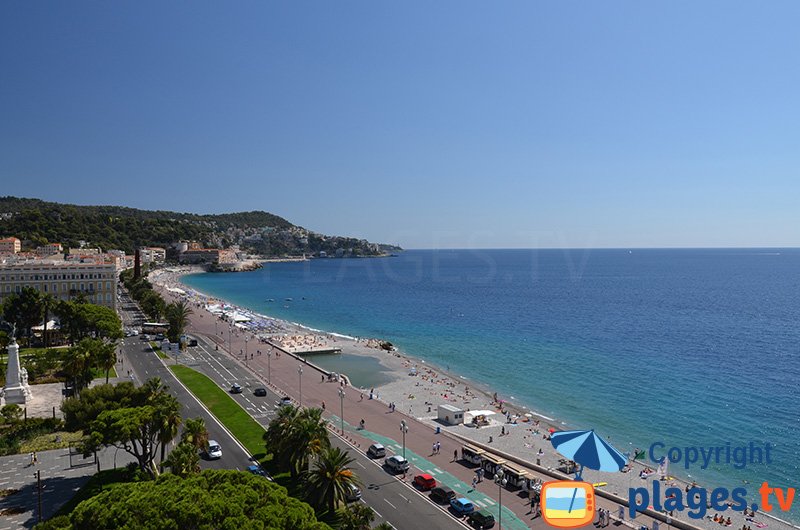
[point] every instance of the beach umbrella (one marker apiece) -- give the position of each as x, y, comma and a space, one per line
588, 450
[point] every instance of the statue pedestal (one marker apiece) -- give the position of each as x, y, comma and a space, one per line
15, 390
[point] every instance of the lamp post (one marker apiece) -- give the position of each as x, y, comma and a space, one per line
501, 482
246, 339
300, 378
230, 339
269, 367
404, 430
341, 405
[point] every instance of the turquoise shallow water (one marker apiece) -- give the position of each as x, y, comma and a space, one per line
688, 347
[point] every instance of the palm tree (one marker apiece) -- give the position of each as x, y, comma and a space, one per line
183, 460
330, 480
105, 356
309, 438
178, 317
195, 433
77, 364
48, 302
384, 526
278, 437
356, 517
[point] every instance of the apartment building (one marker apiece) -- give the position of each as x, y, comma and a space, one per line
10, 245
62, 279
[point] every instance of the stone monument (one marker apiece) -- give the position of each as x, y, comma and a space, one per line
16, 390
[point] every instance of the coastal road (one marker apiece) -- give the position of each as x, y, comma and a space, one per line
392, 500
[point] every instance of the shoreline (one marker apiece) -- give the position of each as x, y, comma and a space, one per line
524, 436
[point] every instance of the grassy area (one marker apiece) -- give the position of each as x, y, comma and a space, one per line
158, 351
99, 373
45, 442
94, 486
235, 418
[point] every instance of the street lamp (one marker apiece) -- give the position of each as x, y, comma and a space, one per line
404, 430
300, 378
341, 404
246, 339
269, 367
230, 339
501, 482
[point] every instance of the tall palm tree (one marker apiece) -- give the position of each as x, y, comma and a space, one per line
278, 437
178, 317
309, 438
356, 517
48, 302
384, 526
105, 356
195, 433
183, 460
77, 364
330, 479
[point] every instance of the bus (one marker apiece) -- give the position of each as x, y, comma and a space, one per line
154, 328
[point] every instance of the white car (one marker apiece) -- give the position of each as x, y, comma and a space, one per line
397, 464
214, 451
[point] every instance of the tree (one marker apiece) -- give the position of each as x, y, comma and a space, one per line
48, 303
78, 362
384, 526
331, 479
222, 499
138, 424
309, 438
105, 356
153, 305
195, 433
24, 309
183, 460
81, 320
178, 317
356, 517
11, 413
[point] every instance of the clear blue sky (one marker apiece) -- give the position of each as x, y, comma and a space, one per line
428, 124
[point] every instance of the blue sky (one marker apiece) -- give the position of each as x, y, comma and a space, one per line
428, 124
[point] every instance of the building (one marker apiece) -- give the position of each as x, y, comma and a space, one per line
213, 256
49, 249
450, 415
62, 279
152, 254
10, 245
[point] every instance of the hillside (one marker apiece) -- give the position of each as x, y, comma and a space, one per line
37, 222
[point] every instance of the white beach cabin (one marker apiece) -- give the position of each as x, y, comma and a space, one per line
451, 415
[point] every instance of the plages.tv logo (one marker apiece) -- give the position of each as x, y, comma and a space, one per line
697, 500
571, 504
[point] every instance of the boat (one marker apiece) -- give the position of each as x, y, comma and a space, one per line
270, 299
288, 299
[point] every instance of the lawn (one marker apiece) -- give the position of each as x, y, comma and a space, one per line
158, 351
99, 373
235, 418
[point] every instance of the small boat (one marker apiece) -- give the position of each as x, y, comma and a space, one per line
288, 299
270, 299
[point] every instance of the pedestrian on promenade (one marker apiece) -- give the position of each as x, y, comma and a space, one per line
323, 405
322, 378
362, 397
455, 455
433, 450
474, 483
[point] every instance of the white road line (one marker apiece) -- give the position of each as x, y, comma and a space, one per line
390, 504
403, 497
360, 464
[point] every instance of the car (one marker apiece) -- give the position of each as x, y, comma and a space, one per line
286, 401
462, 506
376, 451
236, 388
260, 392
353, 493
442, 494
397, 464
214, 451
424, 482
481, 519
255, 469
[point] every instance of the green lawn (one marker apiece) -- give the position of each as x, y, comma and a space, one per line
99, 373
158, 351
235, 418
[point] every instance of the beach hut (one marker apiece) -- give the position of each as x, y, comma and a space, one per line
472, 454
451, 415
515, 475
490, 463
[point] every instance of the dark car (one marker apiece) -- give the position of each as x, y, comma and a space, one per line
260, 392
442, 495
482, 519
353, 493
236, 388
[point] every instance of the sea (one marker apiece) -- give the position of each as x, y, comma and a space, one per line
685, 347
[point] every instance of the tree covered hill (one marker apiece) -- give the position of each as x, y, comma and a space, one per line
37, 222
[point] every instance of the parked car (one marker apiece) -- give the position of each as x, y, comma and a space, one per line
353, 493
376, 451
442, 494
397, 464
260, 392
214, 450
236, 388
482, 519
424, 482
462, 506
286, 400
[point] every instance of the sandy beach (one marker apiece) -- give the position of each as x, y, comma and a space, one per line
416, 388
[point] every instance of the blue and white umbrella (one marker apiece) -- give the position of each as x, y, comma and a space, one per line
588, 450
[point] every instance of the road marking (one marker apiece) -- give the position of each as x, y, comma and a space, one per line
403, 497
390, 504
360, 464
438, 470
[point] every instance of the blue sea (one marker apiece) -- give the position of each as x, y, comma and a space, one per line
688, 347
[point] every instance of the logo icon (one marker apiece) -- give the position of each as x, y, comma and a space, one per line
567, 503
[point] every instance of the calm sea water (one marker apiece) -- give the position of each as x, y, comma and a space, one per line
688, 347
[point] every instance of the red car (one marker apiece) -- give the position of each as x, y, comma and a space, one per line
424, 482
